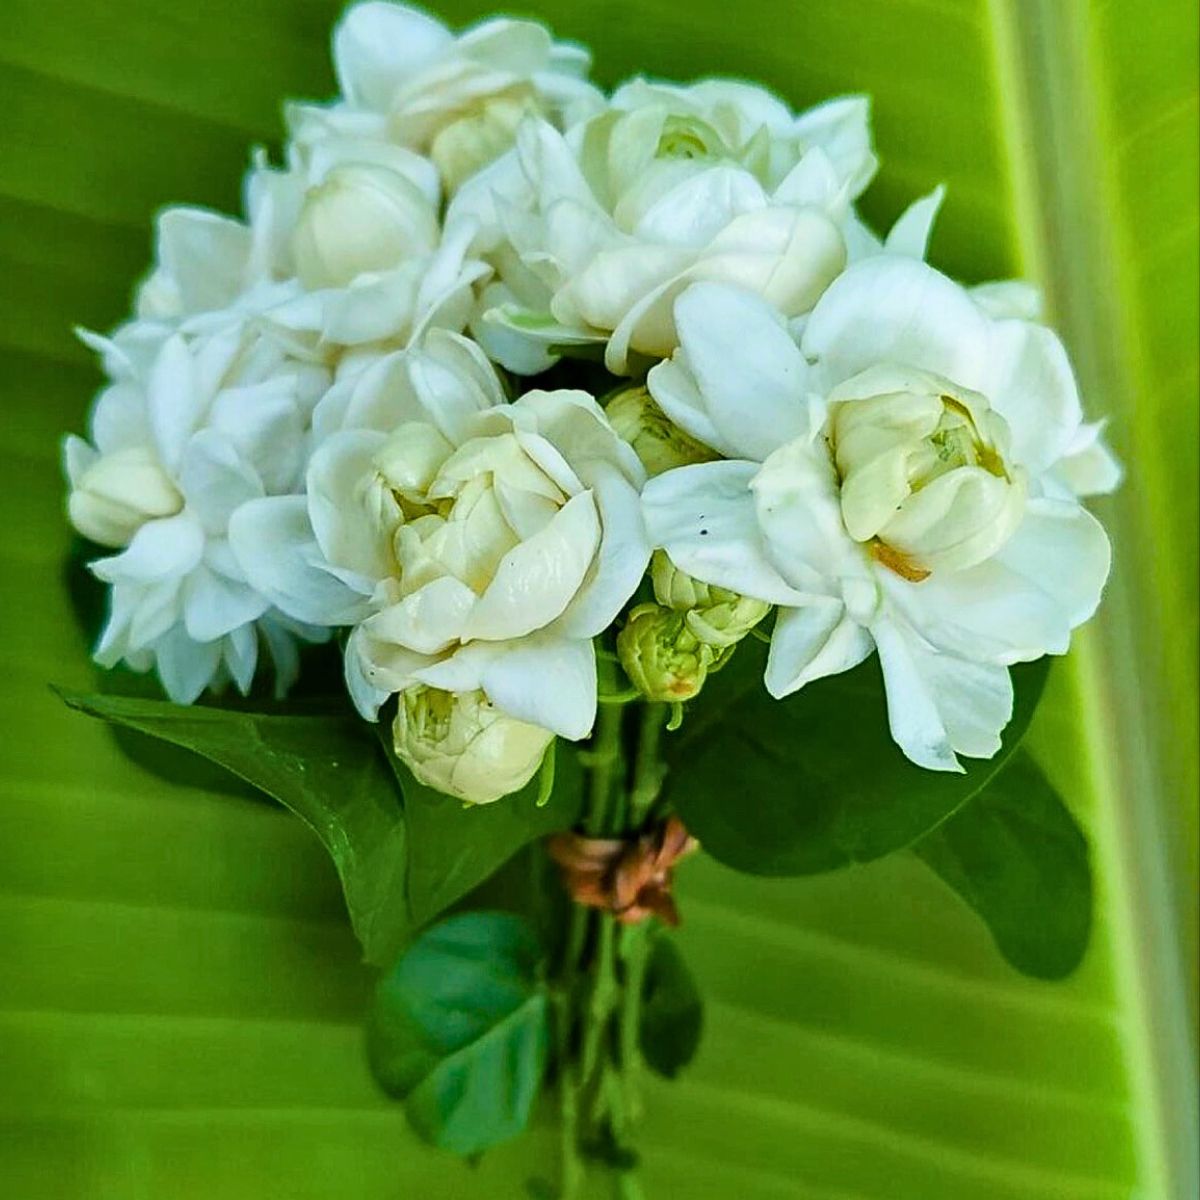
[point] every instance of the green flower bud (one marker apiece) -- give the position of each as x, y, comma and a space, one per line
663, 658
715, 615
461, 744
655, 438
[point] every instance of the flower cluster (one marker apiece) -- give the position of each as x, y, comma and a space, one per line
320, 416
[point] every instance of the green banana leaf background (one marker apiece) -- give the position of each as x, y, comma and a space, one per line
180, 994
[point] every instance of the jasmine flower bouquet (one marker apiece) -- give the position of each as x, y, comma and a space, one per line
648, 502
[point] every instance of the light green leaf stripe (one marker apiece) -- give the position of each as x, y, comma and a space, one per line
1108, 208
179, 994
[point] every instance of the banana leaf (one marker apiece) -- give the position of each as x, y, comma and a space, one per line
180, 993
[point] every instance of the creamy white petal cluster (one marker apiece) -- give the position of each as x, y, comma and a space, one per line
474, 547
595, 232
188, 431
406, 79
343, 247
309, 422
904, 481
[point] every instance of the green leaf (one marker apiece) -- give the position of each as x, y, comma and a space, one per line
815, 782
672, 1010
1017, 857
453, 847
326, 768
460, 1030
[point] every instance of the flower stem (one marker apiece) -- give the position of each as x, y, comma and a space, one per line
648, 771
604, 962
571, 1165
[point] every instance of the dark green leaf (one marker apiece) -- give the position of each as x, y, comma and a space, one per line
453, 847
1017, 857
672, 1011
814, 782
460, 1030
326, 768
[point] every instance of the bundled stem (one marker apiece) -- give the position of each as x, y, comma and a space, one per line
604, 963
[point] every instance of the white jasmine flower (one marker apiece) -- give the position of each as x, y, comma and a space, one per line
405, 78
356, 222
593, 235
343, 247
892, 488
471, 551
183, 435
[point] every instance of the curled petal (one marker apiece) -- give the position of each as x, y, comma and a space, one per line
812, 642
273, 542
704, 517
537, 578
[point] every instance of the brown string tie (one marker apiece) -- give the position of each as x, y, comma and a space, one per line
630, 877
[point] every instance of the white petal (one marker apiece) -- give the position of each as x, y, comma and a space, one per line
119, 418
787, 255
989, 613
974, 700
696, 210
576, 426
205, 255
264, 422
377, 47
898, 310
340, 475
366, 696
549, 682
939, 703
463, 670
156, 608
1061, 548
186, 667
454, 381
704, 517
239, 653
215, 481
427, 621
842, 128
917, 727
77, 456
273, 542
1009, 298
160, 550
284, 652
1033, 388
800, 518
214, 605
175, 400
1090, 468
811, 642
673, 386
621, 562
748, 370
910, 234
537, 579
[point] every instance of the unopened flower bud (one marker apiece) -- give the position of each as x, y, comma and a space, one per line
717, 616
655, 438
662, 657
462, 745
471, 142
119, 493
362, 218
